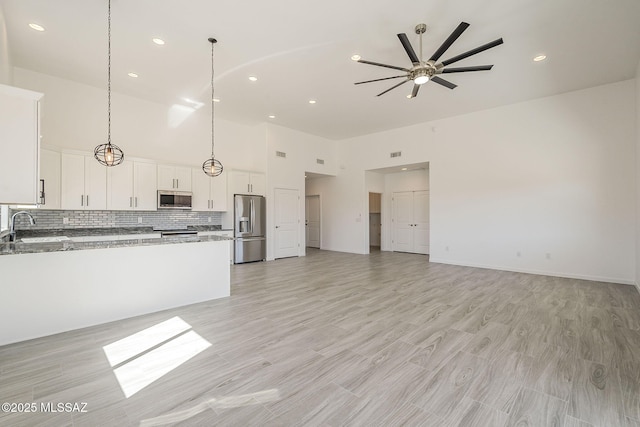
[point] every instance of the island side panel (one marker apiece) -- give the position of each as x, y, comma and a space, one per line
49, 293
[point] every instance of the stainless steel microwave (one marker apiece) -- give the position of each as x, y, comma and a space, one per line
174, 199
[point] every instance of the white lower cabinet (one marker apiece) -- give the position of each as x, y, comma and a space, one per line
226, 233
209, 193
132, 186
83, 183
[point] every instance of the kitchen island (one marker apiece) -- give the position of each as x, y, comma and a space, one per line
52, 287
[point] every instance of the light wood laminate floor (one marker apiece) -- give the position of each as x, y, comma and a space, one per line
335, 339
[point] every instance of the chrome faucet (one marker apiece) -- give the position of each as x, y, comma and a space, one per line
12, 231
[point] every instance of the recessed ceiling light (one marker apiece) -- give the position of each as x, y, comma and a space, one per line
36, 27
272, 116
134, 75
216, 99
540, 58
158, 41
409, 96
253, 78
355, 57
312, 101
404, 169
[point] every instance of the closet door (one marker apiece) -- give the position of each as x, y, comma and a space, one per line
403, 221
421, 222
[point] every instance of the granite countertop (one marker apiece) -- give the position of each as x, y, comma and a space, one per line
19, 247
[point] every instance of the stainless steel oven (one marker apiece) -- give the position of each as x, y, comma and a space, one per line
174, 199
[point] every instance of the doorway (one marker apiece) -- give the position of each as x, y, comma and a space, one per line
312, 221
375, 220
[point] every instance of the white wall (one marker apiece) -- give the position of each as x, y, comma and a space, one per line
74, 116
6, 68
637, 181
551, 176
301, 150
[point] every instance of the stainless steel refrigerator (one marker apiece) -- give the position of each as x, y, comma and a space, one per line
249, 228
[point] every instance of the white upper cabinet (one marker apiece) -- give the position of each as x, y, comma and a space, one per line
209, 193
49, 195
242, 182
19, 145
84, 183
176, 178
132, 186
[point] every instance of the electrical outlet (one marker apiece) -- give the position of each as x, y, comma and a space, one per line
446, 248
65, 220
139, 220
209, 219
548, 255
518, 254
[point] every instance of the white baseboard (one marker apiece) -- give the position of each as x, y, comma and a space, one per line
616, 280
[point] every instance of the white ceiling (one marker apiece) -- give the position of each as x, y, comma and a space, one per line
301, 49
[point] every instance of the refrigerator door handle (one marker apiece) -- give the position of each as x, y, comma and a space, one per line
253, 215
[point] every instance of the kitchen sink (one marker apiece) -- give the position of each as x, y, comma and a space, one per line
44, 239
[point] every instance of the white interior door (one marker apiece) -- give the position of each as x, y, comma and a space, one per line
286, 223
312, 221
403, 221
421, 222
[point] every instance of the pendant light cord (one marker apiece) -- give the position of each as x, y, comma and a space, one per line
109, 78
213, 41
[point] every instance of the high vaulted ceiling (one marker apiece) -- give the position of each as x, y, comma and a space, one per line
300, 50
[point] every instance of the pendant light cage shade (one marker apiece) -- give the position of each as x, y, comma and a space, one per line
212, 167
108, 154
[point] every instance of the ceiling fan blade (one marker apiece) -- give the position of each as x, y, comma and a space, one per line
443, 82
407, 47
473, 52
392, 87
382, 65
415, 90
449, 41
377, 80
466, 69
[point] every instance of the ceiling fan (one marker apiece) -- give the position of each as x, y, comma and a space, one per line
423, 71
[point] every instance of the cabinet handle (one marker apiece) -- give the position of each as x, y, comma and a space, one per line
177, 183
136, 199
130, 202
87, 200
248, 191
42, 198
81, 200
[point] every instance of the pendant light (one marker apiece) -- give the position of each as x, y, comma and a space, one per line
212, 167
109, 154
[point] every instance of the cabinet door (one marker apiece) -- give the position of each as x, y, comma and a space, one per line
166, 177
258, 184
50, 179
120, 183
95, 184
72, 182
201, 184
240, 183
219, 193
145, 194
183, 178
20, 144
